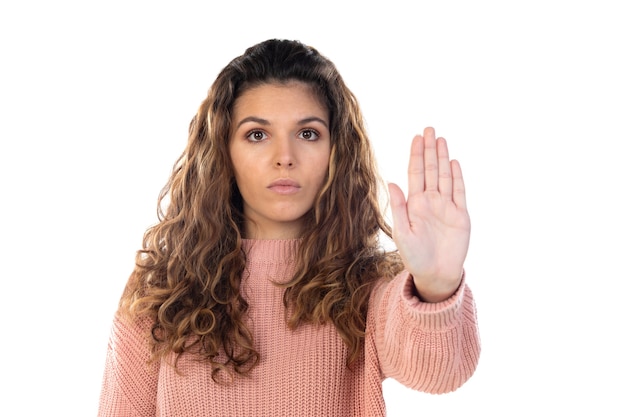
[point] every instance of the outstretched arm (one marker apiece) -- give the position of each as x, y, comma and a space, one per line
431, 227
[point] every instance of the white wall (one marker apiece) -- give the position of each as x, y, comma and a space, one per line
95, 99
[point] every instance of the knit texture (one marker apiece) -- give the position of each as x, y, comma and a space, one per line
429, 347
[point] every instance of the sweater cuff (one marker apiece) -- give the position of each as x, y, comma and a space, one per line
432, 316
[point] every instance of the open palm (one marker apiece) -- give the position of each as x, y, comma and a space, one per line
431, 227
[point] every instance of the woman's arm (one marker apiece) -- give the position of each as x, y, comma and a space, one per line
430, 347
129, 384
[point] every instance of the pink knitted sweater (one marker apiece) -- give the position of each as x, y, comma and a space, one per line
428, 347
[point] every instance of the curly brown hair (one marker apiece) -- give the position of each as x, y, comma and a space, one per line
188, 273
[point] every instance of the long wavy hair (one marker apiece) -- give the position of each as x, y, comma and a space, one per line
187, 277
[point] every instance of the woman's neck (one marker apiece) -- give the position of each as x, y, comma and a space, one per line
282, 231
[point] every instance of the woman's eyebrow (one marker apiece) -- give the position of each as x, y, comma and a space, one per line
253, 119
313, 119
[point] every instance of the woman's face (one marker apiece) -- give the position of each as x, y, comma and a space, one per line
280, 150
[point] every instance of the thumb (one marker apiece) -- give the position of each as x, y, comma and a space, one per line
397, 203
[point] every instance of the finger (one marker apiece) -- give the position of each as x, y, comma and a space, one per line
416, 166
445, 174
431, 170
458, 195
397, 203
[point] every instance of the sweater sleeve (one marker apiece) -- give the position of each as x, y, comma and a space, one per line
430, 347
129, 385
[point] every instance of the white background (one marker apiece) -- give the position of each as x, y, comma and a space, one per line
96, 97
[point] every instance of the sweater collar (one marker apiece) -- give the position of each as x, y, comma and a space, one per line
277, 250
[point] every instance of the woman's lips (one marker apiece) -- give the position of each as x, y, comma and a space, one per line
284, 186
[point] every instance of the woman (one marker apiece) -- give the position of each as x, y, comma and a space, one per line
264, 288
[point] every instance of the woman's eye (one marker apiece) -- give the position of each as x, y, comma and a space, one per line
309, 134
256, 136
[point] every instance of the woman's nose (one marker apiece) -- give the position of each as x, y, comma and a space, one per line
284, 157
